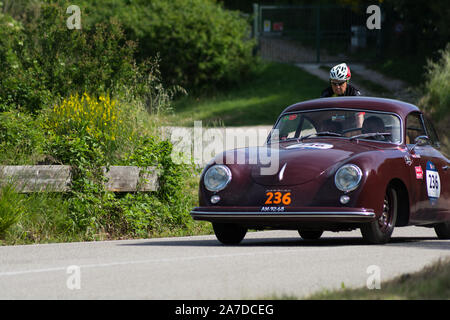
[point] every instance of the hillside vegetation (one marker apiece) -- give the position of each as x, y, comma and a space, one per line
98, 96
88, 98
436, 98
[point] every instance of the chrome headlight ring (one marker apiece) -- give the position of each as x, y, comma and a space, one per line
348, 177
217, 177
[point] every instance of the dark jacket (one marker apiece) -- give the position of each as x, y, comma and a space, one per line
350, 91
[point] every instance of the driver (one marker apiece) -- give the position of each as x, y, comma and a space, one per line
373, 124
339, 83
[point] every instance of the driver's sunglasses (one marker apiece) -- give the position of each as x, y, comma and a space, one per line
336, 84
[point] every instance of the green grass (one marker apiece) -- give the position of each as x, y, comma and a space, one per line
432, 282
258, 101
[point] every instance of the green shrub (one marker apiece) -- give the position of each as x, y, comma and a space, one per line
42, 59
436, 99
19, 86
200, 42
44, 218
21, 138
437, 89
10, 208
92, 210
78, 98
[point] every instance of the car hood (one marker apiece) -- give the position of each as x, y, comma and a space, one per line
296, 163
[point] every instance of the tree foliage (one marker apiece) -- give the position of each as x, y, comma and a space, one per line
199, 42
41, 59
426, 26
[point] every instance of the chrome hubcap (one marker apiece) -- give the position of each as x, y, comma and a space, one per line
384, 219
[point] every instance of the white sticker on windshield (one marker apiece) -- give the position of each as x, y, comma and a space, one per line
314, 146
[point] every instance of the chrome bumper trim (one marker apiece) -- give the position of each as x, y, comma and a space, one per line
330, 214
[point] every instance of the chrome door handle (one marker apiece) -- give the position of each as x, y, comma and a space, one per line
445, 167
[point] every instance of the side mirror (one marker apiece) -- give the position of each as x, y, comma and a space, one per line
420, 141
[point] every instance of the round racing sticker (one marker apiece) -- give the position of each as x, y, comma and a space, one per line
433, 182
321, 146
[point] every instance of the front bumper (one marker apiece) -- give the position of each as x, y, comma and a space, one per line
269, 216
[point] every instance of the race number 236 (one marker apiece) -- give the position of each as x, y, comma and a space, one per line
433, 181
433, 184
278, 198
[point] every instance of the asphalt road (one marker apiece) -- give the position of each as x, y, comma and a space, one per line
265, 264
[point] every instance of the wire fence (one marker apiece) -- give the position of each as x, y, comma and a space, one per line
314, 33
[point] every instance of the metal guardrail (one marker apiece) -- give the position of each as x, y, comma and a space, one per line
58, 178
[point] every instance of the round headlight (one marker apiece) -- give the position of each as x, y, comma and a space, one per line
217, 178
348, 177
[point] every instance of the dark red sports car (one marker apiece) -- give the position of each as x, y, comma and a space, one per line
336, 164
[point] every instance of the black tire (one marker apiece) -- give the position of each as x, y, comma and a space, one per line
310, 234
380, 231
229, 233
443, 230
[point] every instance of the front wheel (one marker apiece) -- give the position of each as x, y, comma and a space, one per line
380, 231
229, 233
443, 230
310, 234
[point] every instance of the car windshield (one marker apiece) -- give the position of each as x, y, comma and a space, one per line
341, 123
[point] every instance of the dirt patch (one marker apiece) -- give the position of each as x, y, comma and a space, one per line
394, 89
288, 51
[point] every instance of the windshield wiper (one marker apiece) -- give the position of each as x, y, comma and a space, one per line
370, 135
322, 133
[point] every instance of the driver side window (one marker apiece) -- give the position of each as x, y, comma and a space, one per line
414, 128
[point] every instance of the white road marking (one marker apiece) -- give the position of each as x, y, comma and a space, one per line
163, 260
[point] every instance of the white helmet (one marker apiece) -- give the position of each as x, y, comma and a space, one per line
341, 72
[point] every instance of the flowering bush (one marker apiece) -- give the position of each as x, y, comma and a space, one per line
79, 99
100, 117
42, 60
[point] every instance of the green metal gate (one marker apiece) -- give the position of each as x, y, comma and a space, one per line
314, 33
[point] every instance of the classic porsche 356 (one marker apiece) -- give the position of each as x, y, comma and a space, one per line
342, 163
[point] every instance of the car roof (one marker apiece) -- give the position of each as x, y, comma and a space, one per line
364, 103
